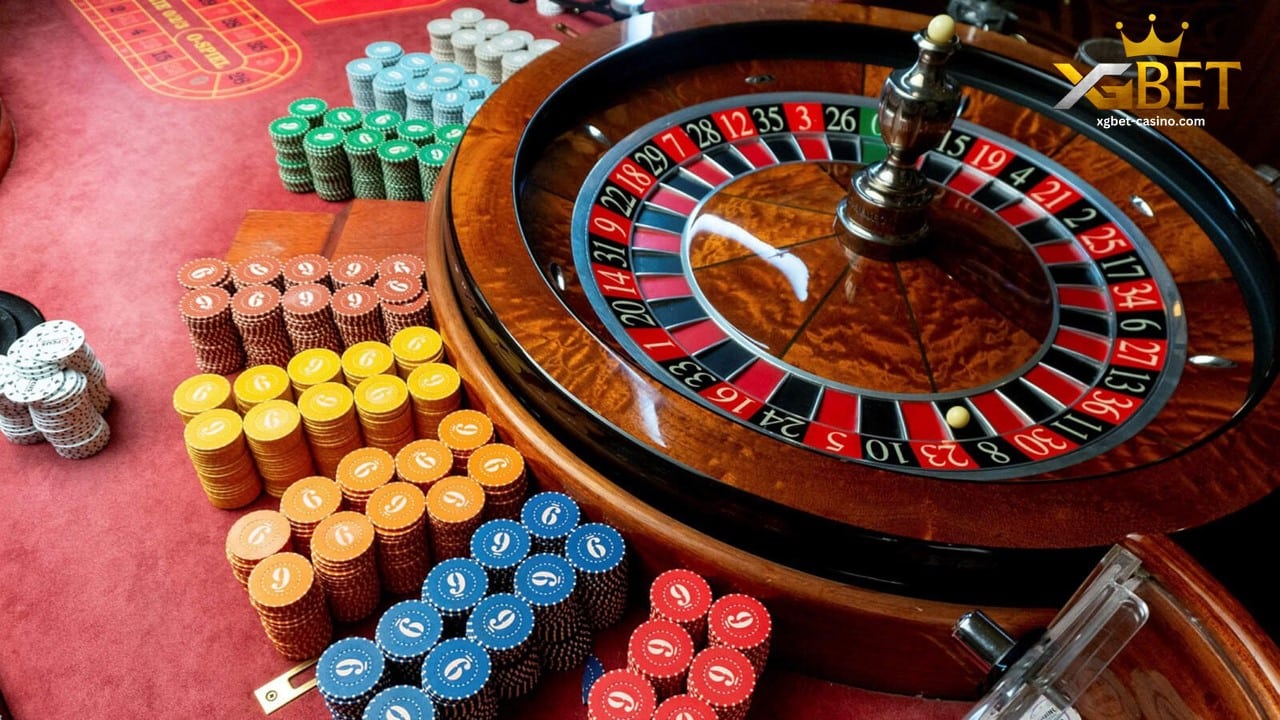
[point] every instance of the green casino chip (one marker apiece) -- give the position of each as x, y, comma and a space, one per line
310, 109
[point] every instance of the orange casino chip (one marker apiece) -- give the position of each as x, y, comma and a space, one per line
253, 537
398, 513
285, 591
463, 432
500, 470
455, 506
345, 561
199, 393
361, 472
305, 504
423, 462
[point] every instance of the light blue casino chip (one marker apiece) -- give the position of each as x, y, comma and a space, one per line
549, 515
417, 63
384, 51
363, 69
456, 669
501, 622
449, 68
408, 629
500, 543
349, 669
455, 585
595, 548
400, 702
544, 580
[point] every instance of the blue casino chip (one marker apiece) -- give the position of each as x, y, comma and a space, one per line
595, 548
501, 622
363, 69
449, 68
549, 515
408, 629
384, 51
400, 702
349, 669
456, 669
592, 671
544, 580
417, 63
500, 543
455, 585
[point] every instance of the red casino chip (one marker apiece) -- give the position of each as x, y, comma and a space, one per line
684, 598
353, 270
259, 317
742, 623
308, 318
661, 652
397, 289
306, 269
403, 264
357, 314
257, 270
205, 272
684, 707
415, 313
724, 678
214, 337
621, 695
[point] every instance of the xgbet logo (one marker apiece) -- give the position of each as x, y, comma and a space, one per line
1158, 83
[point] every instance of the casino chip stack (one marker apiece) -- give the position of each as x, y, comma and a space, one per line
499, 469
206, 272
446, 106
491, 27
499, 546
405, 633
398, 513
543, 45
220, 456
621, 695
598, 555
305, 504
384, 121
308, 318
361, 472
387, 53
365, 359
259, 384
53, 386
464, 47
414, 312
723, 677
400, 169
309, 109
291, 160
257, 270
415, 345
417, 99
741, 622
684, 598
207, 314
514, 62
357, 315
550, 517
547, 583
431, 160
255, 537
329, 416
489, 60
291, 605
417, 64
278, 446
476, 86
464, 432
382, 403
15, 417
306, 269
345, 561
349, 674
441, 31
457, 676
353, 269
454, 510
360, 74
503, 625
450, 134
328, 162
423, 462
660, 652
403, 702
435, 389
312, 367
345, 119
366, 169
684, 707
259, 317
454, 588
388, 89
418, 131
397, 289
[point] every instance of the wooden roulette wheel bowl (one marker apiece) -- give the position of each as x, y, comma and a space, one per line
846, 627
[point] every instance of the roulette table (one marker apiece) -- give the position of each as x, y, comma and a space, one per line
648, 277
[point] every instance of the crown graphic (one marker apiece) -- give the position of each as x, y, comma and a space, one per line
1152, 45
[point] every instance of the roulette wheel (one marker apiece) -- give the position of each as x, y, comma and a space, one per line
652, 279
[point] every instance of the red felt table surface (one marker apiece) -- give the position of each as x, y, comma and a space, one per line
116, 600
